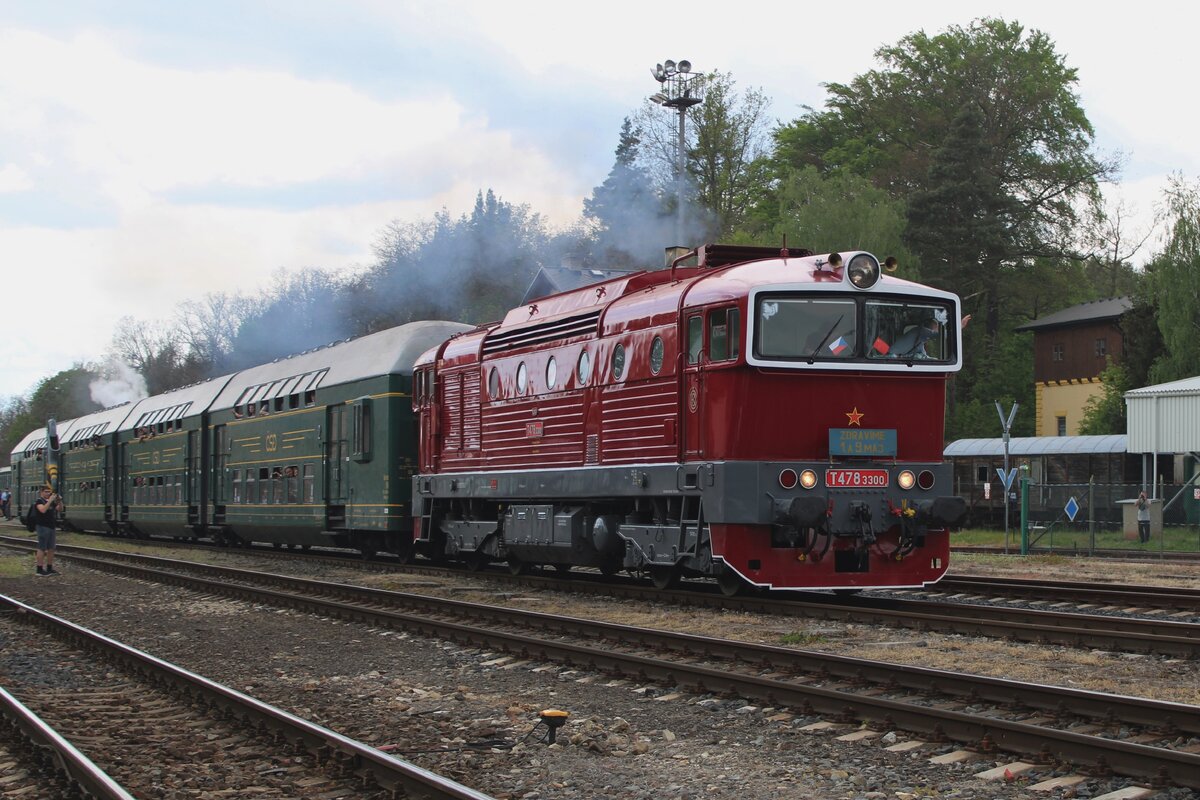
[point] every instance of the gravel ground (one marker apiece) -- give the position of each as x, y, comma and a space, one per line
446, 707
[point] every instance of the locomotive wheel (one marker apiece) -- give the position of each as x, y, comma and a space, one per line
664, 577
518, 567
610, 568
367, 554
476, 561
731, 583
563, 570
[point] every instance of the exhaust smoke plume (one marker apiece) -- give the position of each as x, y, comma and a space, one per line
120, 383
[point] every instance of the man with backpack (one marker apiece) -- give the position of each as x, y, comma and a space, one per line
42, 515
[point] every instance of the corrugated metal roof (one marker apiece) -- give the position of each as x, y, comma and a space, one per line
1174, 387
1037, 446
1095, 311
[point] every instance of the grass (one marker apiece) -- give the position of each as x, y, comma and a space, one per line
1175, 539
16, 565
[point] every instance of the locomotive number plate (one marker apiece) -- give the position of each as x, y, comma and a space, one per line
856, 478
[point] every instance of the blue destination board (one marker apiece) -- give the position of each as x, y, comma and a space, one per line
865, 442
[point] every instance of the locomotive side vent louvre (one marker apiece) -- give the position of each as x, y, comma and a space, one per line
581, 325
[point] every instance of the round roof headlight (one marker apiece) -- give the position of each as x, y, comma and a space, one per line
863, 271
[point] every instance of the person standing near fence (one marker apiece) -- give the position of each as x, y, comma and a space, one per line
1143, 512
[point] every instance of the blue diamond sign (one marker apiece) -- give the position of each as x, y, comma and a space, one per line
1072, 508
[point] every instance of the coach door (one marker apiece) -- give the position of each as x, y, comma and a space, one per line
693, 389
336, 453
191, 479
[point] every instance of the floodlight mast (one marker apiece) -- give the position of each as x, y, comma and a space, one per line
677, 79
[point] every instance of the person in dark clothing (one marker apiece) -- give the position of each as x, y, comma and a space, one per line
1143, 514
43, 511
6, 503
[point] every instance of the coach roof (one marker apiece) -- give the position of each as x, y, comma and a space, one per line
389, 352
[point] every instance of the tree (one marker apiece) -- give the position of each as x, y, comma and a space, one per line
832, 212
152, 350
1175, 273
301, 311
726, 146
1104, 413
1032, 138
473, 269
726, 162
206, 328
626, 214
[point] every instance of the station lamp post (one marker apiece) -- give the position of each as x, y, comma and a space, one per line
677, 93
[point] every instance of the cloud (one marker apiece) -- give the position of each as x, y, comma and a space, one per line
14, 179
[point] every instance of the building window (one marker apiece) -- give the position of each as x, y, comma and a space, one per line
1062, 425
1101, 348
1056, 353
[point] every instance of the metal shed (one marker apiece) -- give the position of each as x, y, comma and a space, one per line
1165, 418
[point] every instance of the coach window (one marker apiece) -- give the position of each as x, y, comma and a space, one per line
584, 371
251, 408
362, 421
723, 338
695, 339
522, 378
618, 362
310, 398
249, 496
551, 373
309, 485
277, 487
264, 485
237, 486
656, 355
493, 383
292, 475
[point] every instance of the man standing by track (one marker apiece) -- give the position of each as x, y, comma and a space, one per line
43, 511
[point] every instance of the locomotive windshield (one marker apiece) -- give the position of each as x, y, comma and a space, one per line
812, 329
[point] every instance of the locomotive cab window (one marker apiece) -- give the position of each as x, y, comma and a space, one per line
724, 337
805, 328
695, 339
907, 331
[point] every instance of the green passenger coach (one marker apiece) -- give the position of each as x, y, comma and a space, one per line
315, 449
319, 448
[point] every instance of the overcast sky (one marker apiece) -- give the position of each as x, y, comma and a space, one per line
151, 152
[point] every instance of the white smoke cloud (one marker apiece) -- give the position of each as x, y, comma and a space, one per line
121, 384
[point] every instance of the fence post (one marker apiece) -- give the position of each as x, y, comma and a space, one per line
1092, 515
1024, 512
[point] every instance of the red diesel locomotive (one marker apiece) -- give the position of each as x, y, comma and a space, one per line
764, 417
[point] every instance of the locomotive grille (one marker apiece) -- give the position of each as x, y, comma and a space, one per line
581, 325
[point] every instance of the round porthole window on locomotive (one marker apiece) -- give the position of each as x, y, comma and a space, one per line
494, 383
584, 370
522, 378
551, 373
618, 362
656, 355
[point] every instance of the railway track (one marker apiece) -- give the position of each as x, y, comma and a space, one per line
1035, 625
158, 729
1116, 555
1130, 736
1136, 598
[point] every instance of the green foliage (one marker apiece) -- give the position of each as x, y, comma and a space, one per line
835, 212
1002, 372
1104, 413
1176, 286
723, 160
62, 396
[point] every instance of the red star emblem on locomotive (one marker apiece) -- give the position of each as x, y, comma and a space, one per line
855, 417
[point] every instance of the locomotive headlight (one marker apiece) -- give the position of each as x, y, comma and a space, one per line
925, 480
906, 479
863, 271
808, 479
787, 478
